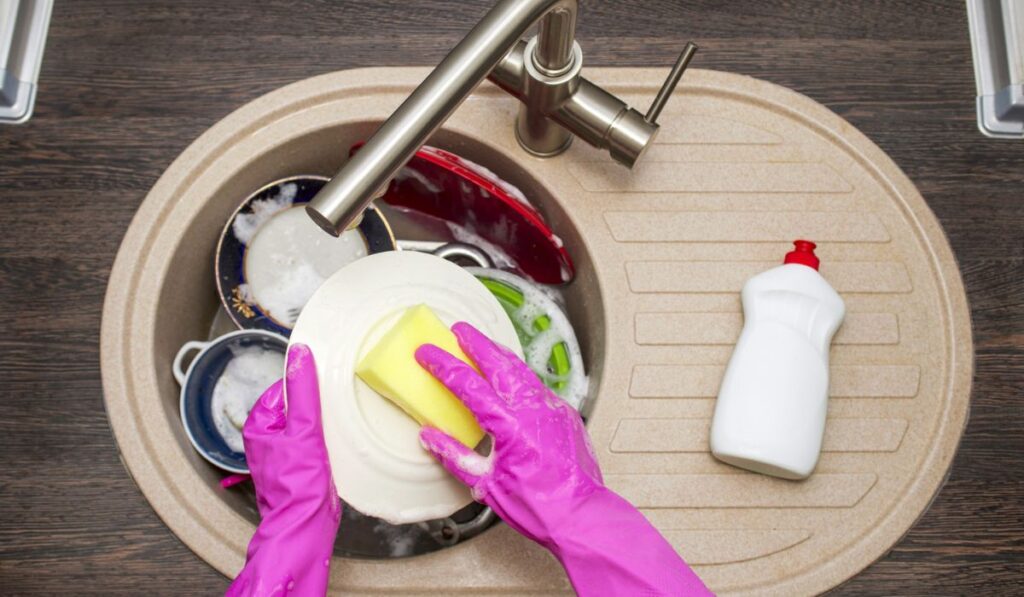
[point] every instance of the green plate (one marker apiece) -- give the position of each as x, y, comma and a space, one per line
512, 299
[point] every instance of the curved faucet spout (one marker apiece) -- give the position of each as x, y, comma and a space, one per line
557, 103
365, 176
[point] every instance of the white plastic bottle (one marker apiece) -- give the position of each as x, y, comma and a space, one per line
770, 413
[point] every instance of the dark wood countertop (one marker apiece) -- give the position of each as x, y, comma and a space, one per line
127, 85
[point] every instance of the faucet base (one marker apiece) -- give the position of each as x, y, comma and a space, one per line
542, 94
531, 147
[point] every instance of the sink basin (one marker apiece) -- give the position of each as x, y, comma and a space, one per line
741, 168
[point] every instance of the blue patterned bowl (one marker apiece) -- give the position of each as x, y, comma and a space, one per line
229, 259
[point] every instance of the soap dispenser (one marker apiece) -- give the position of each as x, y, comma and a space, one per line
770, 413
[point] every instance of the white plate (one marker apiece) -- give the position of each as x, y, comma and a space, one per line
378, 464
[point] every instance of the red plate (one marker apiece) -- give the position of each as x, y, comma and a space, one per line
441, 184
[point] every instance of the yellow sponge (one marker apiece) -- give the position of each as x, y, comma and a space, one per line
390, 368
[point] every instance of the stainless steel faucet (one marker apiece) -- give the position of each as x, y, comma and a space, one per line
544, 73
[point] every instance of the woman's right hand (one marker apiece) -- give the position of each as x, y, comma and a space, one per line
542, 477
541, 464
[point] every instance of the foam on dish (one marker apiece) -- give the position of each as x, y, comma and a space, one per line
510, 189
246, 224
498, 256
414, 174
247, 375
290, 257
400, 542
538, 301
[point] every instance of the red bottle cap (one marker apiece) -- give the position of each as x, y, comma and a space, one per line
803, 254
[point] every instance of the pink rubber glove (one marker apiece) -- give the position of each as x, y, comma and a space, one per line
542, 478
290, 553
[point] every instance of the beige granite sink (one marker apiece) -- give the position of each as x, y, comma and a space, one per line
741, 168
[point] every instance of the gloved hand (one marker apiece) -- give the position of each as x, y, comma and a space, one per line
542, 478
290, 553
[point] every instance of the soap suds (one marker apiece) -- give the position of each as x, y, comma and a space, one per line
289, 291
472, 462
498, 255
554, 294
407, 515
510, 189
537, 301
564, 273
288, 260
246, 224
475, 464
247, 375
414, 174
400, 541
245, 291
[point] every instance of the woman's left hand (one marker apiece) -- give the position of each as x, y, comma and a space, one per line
290, 553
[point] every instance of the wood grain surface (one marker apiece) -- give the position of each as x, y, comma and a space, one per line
126, 85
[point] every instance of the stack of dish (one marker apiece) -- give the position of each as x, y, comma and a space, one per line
281, 279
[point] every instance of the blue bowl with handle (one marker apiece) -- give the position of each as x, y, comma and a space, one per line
197, 384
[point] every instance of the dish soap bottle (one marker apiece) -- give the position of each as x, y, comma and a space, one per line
770, 413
